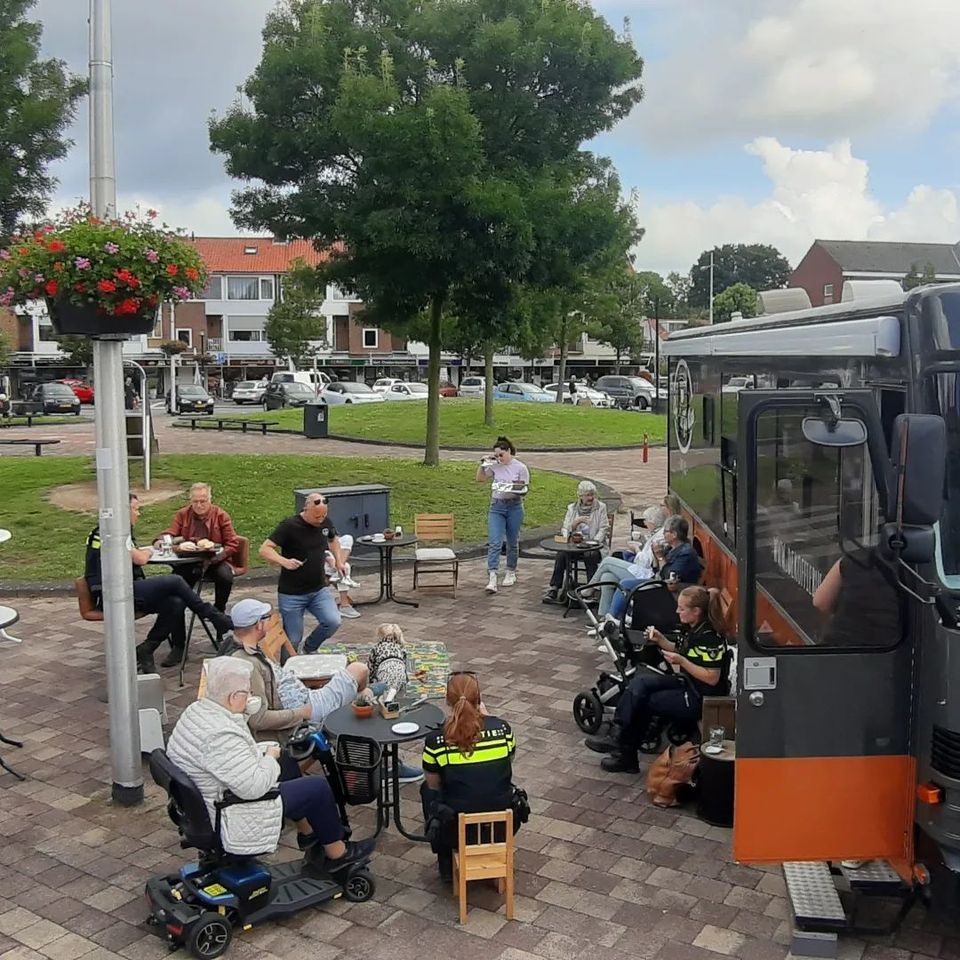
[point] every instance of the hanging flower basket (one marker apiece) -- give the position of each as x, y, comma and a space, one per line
101, 277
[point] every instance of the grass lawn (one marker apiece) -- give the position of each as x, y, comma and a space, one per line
529, 425
257, 491
39, 421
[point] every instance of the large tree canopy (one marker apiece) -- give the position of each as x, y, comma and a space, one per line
756, 264
39, 99
417, 138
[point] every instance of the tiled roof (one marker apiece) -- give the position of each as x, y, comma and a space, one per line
875, 256
229, 254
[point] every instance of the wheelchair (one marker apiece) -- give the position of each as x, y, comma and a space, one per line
201, 906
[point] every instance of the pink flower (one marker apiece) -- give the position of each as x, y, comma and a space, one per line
6, 298
81, 263
24, 272
152, 214
4, 254
151, 255
110, 247
40, 278
181, 293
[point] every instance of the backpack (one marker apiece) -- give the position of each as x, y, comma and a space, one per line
671, 772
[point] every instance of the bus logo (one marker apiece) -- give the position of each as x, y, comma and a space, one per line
683, 417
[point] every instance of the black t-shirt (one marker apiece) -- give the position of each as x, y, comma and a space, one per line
480, 782
870, 606
303, 541
92, 566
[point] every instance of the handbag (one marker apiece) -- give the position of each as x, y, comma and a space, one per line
673, 770
520, 803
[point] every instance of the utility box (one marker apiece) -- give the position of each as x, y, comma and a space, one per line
360, 510
315, 423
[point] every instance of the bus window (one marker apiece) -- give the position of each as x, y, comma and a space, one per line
945, 400
819, 579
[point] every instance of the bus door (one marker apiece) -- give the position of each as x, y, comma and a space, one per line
823, 768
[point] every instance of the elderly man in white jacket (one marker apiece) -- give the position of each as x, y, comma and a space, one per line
213, 746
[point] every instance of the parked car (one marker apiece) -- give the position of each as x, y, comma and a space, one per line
348, 391
82, 389
311, 378
736, 384
406, 391
523, 392
55, 398
627, 392
447, 389
597, 397
472, 387
384, 384
190, 398
249, 391
277, 396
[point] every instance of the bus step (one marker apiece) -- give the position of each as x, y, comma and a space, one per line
813, 897
874, 876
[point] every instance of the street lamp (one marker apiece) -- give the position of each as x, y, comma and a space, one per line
710, 268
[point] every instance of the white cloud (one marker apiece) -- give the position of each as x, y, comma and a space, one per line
814, 194
817, 68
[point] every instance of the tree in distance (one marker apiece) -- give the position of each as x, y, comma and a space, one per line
741, 297
757, 264
294, 323
78, 350
39, 100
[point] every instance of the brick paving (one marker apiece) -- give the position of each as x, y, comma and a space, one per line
598, 867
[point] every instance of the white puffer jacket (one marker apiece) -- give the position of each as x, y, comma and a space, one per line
215, 748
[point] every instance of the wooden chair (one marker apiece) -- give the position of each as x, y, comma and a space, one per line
487, 859
88, 609
435, 528
276, 639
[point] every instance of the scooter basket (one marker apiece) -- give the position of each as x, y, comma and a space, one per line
358, 766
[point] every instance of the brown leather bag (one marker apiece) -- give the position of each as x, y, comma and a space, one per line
673, 769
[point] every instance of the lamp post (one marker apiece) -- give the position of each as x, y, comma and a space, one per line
710, 268
111, 450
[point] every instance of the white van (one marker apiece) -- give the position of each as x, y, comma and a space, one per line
315, 379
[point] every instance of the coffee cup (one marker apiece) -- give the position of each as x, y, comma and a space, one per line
577, 538
378, 538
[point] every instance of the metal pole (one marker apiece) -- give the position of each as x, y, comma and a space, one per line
173, 357
111, 451
656, 354
711, 288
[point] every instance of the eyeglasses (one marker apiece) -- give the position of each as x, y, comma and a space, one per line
266, 616
464, 673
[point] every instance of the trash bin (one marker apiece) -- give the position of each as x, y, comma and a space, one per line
315, 420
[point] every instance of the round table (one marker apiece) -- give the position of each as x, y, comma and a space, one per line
715, 798
8, 617
576, 551
344, 722
385, 549
5, 535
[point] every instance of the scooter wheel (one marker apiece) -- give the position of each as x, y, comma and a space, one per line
359, 887
209, 936
588, 711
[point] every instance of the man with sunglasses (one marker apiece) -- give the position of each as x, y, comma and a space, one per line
305, 539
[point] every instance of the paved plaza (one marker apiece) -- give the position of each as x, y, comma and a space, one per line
600, 871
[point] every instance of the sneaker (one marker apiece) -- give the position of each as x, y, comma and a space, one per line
410, 774
620, 763
349, 583
510, 578
491, 586
349, 612
358, 851
306, 840
145, 661
602, 744
551, 595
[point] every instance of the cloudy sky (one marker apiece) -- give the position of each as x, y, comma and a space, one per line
764, 120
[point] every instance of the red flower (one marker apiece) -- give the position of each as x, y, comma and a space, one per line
56, 246
106, 286
52, 287
80, 287
126, 306
172, 269
151, 300
125, 276
23, 251
192, 273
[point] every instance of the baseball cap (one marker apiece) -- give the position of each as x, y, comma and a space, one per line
247, 612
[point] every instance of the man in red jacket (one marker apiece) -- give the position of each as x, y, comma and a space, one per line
203, 520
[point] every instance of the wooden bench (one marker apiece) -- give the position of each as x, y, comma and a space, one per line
38, 445
220, 421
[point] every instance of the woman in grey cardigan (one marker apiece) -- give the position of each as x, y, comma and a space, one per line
587, 515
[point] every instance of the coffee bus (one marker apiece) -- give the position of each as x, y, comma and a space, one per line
817, 455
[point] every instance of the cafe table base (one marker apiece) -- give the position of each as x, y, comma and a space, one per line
385, 548
388, 806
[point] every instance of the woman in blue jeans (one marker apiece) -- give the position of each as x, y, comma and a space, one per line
510, 480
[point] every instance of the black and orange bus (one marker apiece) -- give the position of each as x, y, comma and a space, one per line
817, 454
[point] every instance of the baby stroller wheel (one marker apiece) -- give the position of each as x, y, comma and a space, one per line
588, 711
209, 936
359, 887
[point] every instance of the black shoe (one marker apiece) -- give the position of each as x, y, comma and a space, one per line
221, 623
145, 662
445, 869
602, 744
358, 852
551, 596
620, 763
306, 840
172, 659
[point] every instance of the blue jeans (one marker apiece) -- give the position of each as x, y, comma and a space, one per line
321, 604
610, 568
503, 523
619, 603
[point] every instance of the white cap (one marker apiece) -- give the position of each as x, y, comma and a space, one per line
247, 612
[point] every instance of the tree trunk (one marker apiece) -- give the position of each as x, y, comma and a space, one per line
617, 369
488, 384
562, 373
431, 454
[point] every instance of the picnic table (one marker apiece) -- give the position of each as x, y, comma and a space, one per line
38, 445
220, 421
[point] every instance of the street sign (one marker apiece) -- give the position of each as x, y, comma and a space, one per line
221, 358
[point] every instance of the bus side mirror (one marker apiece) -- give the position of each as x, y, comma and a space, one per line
919, 451
910, 544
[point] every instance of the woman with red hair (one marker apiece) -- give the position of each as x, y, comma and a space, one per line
468, 767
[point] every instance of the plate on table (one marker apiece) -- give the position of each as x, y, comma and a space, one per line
365, 539
591, 543
713, 749
405, 728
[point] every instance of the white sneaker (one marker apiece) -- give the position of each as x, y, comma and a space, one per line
492, 582
349, 583
510, 578
349, 612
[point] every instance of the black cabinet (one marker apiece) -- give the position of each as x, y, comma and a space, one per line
358, 510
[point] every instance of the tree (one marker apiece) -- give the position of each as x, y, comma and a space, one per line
78, 350
294, 322
761, 266
619, 309
39, 100
740, 297
172, 348
915, 279
406, 136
